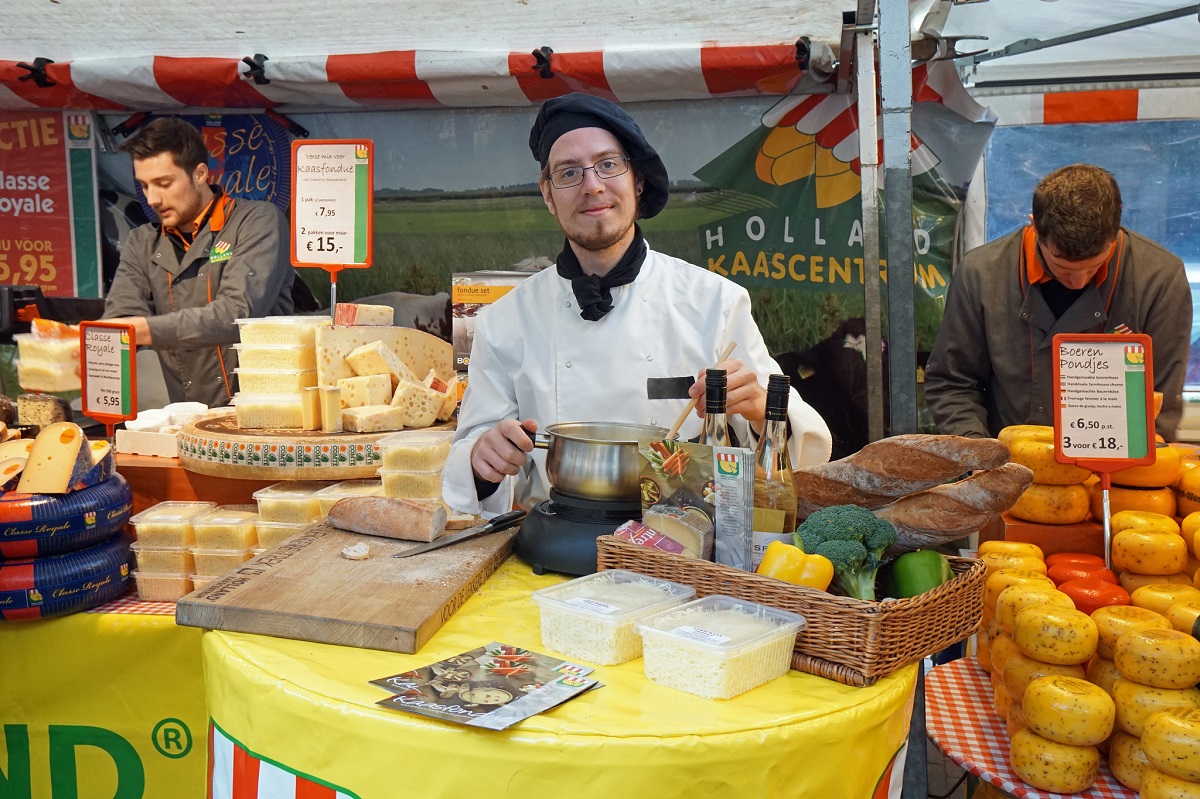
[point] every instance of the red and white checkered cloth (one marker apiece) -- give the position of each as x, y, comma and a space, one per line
130, 603
961, 721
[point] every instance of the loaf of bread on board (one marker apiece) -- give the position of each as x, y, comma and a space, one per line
890, 468
953, 511
390, 517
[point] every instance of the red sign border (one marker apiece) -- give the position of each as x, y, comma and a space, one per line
333, 269
108, 419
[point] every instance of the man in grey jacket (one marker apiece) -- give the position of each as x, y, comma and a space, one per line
1074, 270
210, 259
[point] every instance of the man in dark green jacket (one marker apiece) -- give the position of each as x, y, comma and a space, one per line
210, 259
1074, 270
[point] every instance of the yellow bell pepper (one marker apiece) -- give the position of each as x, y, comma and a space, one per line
794, 565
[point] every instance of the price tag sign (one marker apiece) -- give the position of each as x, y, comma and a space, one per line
332, 196
108, 371
1103, 400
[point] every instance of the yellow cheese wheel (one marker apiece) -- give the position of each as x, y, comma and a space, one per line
1001, 700
1068, 710
1013, 432
1127, 760
1014, 547
1159, 597
1102, 672
1115, 620
1020, 670
1055, 635
1003, 647
1143, 520
1158, 784
1052, 766
1190, 525
1195, 540
983, 652
1016, 598
1015, 720
1159, 658
1187, 492
1132, 582
1136, 702
1183, 615
997, 581
1037, 454
995, 561
1165, 471
1052, 504
1171, 740
1146, 552
1155, 500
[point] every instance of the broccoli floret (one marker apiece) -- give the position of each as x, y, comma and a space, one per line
854, 540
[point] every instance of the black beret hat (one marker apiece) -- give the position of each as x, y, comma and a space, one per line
570, 112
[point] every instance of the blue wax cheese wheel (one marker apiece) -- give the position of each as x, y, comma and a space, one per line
48, 524
37, 588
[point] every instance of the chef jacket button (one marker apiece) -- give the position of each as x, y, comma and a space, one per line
649, 357
568, 364
1024, 316
1040, 409
1097, 314
653, 421
568, 304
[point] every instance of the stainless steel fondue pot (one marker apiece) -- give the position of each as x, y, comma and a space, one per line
595, 460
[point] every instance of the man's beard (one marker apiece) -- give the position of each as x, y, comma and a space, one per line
602, 237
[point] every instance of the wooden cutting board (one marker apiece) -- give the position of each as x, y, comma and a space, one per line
305, 589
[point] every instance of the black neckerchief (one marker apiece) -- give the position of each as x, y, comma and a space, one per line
594, 293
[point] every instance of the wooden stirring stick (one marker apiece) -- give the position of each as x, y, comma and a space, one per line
691, 406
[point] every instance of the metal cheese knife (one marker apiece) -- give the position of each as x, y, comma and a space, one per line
501, 522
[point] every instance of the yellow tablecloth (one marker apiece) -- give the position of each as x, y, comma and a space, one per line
285, 707
102, 704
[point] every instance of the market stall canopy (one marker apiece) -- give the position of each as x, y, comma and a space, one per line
1165, 50
104, 55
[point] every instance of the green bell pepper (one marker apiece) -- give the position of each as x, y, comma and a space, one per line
914, 573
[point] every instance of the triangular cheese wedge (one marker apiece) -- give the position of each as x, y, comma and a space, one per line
420, 405
59, 459
10, 473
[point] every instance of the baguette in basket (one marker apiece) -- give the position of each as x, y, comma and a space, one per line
891, 468
956, 510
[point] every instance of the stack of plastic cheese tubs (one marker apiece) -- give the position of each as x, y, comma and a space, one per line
277, 360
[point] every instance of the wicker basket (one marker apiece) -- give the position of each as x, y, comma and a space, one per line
852, 641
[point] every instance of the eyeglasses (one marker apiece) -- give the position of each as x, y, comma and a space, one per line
605, 168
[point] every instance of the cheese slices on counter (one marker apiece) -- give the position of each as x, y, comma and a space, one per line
62, 460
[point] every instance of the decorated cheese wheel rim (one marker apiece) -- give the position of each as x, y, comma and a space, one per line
215, 446
38, 588
47, 524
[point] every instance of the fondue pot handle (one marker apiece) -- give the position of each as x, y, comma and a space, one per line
539, 442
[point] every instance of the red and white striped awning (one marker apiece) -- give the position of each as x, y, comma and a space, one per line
399, 79
1097, 105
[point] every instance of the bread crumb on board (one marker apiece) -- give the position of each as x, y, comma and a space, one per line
359, 551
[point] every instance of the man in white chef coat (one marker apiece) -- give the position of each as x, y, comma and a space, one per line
592, 339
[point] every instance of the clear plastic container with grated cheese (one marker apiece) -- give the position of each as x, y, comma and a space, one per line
592, 618
227, 527
294, 502
289, 330
719, 646
274, 381
328, 497
169, 524
276, 356
415, 450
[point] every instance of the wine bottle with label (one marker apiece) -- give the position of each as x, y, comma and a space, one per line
716, 429
774, 493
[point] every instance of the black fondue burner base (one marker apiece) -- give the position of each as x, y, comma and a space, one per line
559, 535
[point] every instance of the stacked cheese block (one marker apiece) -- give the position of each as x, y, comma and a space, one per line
1144, 488
1149, 548
1058, 494
63, 509
48, 357
277, 360
295, 376
1152, 678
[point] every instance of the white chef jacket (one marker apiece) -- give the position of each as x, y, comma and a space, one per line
534, 357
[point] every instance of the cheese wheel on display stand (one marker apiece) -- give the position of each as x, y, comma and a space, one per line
1052, 766
1036, 453
1052, 504
1068, 710
1183, 616
1127, 760
1136, 702
1114, 621
1015, 598
1021, 670
1165, 471
1171, 740
1187, 492
1131, 581
33, 525
37, 588
1143, 551
1142, 520
999, 580
1102, 672
1157, 784
1056, 635
1155, 500
1014, 432
1161, 597
1159, 658
1014, 547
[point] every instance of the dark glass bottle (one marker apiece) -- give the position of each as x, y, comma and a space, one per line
716, 429
774, 493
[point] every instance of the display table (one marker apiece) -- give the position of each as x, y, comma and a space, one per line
103, 703
962, 723
296, 713
1086, 536
153, 480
